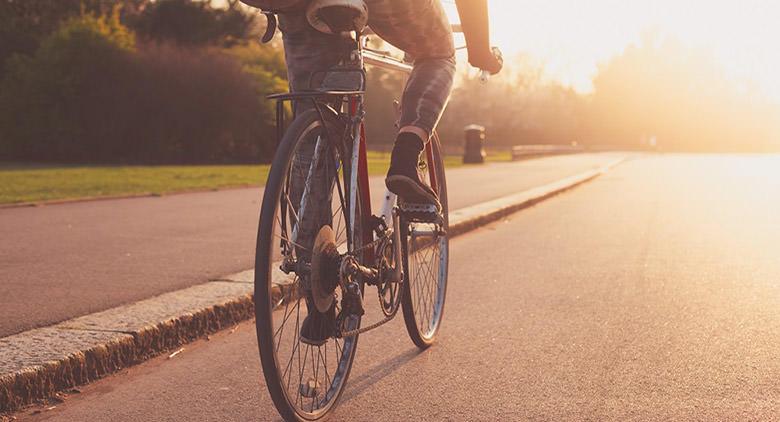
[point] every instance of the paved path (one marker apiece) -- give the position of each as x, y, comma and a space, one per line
651, 293
62, 261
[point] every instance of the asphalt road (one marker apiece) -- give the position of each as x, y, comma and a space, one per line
63, 261
651, 293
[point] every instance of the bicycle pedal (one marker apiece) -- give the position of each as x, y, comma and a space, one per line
421, 213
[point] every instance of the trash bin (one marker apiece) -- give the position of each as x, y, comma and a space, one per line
474, 149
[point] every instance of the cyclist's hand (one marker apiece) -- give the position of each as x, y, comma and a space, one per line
490, 61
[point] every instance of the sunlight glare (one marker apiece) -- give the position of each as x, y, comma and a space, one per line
572, 37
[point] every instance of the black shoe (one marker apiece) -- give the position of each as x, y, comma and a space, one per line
403, 179
318, 327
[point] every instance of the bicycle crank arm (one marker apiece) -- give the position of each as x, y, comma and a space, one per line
351, 268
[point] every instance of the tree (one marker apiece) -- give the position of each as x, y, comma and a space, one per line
24, 23
193, 23
680, 96
46, 99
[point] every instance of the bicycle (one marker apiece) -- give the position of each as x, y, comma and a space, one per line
403, 251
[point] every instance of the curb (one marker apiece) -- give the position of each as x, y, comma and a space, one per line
66, 201
36, 364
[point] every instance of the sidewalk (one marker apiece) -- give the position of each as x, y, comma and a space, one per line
62, 261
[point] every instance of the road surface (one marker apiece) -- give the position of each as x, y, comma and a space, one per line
62, 261
651, 293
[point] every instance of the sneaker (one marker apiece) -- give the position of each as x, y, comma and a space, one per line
404, 181
318, 327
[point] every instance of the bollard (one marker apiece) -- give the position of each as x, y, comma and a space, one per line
474, 149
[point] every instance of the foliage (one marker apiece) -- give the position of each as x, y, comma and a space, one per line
654, 93
516, 107
382, 88
86, 96
681, 97
264, 63
24, 23
190, 23
46, 100
197, 106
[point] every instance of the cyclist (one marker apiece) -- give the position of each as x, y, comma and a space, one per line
421, 29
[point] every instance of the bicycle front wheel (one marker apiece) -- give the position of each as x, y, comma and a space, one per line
426, 260
308, 187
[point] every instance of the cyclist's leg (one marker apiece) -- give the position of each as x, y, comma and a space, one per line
422, 30
307, 51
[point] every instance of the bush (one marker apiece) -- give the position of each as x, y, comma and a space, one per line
24, 23
47, 100
194, 106
88, 96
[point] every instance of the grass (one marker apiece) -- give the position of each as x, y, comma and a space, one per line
20, 183
35, 184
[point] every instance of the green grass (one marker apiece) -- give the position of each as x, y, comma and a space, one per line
36, 183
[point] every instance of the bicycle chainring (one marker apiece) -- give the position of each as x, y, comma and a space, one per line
388, 289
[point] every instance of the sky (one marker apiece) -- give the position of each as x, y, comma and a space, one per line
572, 37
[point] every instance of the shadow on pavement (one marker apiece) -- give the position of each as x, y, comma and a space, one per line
356, 385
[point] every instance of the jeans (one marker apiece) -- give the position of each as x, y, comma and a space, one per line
418, 27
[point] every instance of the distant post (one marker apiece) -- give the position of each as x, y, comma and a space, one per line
474, 149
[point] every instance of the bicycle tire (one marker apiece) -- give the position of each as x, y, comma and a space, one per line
423, 322
278, 372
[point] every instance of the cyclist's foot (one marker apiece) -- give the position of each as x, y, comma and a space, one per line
318, 327
402, 178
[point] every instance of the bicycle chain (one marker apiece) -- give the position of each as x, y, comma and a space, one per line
384, 321
388, 318
370, 245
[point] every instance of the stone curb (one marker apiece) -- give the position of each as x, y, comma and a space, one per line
66, 201
36, 364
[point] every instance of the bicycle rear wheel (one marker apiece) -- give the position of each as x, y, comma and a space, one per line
426, 260
308, 187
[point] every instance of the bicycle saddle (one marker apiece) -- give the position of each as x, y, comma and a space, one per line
337, 16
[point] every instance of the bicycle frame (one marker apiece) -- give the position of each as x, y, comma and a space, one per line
361, 57
385, 61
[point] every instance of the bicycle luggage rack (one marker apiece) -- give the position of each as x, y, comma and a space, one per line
304, 95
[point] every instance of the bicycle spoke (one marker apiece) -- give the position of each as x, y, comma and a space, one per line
279, 332
424, 281
292, 208
292, 243
313, 193
325, 359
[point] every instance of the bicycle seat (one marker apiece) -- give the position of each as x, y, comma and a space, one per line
337, 16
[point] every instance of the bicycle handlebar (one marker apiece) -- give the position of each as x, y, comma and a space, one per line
484, 75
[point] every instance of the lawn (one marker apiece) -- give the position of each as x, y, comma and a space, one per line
37, 183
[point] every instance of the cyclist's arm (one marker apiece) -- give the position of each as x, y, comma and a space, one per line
476, 27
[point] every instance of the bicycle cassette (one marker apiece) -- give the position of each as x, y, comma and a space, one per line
325, 263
